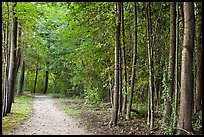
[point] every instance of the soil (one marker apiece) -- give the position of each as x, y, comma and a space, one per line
96, 118
47, 119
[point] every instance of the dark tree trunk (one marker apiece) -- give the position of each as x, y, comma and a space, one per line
120, 81
114, 117
111, 91
11, 77
46, 80
169, 96
21, 80
158, 80
198, 92
18, 60
36, 78
129, 105
158, 73
186, 98
182, 14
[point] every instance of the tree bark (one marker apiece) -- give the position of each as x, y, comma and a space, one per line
150, 118
186, 99
11, 78
21, 79
169, 96
158, 73
111, 91
198, 92
114, 117
129, 105
120, 80
46, 80
36, 78
18, 60
124, 61
176, 69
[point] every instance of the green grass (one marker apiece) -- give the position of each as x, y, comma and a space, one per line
141, 108
56, 95
20, 110
70, 109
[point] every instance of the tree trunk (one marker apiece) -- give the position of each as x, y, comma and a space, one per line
182, 15
6, 69
114, 117
150, 118
120, 80
21, 79
158, 68
18, 60
198, 93
158, 79
36, 78
176, 69
46, 80
124, 61
129, 105
111, 92
169, 96
11, 78
186, 99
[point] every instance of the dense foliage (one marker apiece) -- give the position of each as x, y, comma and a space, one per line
74, 43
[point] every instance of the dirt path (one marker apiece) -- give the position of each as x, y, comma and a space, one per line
46, 119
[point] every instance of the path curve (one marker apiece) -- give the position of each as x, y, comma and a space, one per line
46, 119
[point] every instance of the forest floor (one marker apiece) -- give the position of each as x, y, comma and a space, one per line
96, 120
47, 119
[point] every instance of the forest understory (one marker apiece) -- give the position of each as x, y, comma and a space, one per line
120, 67
96, 119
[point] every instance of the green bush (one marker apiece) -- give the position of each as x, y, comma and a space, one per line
92, 96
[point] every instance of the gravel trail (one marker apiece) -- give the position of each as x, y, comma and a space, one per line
46, 119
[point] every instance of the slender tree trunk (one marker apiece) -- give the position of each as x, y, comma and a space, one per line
124, 61
46, 80
182, 14
150, 118
176, 69
158, 80
129, 105
158, 73
120, 80
3, 69
186, 99
3, 57
21, 79
148, 41
36, 78
11, 78
168, 100
114, 117
111, 92
6, 67
18, 60
198, 93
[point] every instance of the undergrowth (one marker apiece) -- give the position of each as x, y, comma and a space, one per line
20, 110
